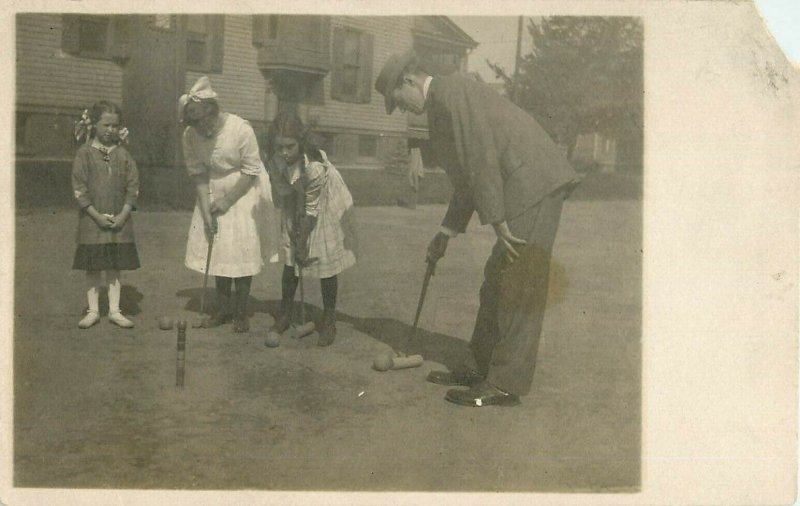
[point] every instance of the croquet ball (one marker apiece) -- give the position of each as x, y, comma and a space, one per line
165, 323
273, 340
383, 362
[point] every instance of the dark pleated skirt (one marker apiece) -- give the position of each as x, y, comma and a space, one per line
106, 257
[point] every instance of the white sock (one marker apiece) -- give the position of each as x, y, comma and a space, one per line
114, 289
93, 292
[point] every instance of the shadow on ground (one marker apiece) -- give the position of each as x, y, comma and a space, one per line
448, 350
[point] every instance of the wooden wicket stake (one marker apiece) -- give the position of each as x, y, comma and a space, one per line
180, 360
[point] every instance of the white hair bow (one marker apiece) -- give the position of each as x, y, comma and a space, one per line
201, 90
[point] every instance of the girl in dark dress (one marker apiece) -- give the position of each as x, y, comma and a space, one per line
105, 183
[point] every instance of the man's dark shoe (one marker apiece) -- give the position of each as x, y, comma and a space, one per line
482, 394
459, 378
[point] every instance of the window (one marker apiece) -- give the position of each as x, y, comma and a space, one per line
367, 146
163, 21
86, 36
352, 66
272, 32
439, 60
102, 37
204, 42
93, 36
196, 41
266, 28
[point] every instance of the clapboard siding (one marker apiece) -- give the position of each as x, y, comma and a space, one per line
240, 86
392, 35
52, 82
46, 76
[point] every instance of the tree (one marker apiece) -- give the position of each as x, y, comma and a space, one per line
583, 75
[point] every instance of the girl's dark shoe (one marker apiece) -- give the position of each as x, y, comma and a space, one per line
327, 329
282, 323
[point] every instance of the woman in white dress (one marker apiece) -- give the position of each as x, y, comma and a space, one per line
222, 158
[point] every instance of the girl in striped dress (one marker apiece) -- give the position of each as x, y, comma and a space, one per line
317, 218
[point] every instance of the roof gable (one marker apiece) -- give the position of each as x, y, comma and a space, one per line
443, 28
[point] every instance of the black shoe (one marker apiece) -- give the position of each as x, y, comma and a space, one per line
461, 378
219, 317
482, 394
282, 323
241, 323
327, 329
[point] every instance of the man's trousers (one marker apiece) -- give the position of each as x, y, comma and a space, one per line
513, 298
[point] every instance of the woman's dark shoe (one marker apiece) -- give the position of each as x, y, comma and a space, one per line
327, 328
241, 323
221, 315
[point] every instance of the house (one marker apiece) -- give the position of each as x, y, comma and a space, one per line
323, 67
595, 151
598, 152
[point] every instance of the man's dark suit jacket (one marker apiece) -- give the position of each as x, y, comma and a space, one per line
498, 158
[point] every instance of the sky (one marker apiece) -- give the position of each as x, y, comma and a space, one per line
497, 36
497, 41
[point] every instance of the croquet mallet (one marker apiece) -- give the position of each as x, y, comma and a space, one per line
205, 275
305, 328
416, 360
201, 321
399, 359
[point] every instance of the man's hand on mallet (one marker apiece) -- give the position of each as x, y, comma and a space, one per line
437, 247
508, 240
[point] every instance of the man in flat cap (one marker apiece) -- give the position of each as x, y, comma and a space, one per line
503, 165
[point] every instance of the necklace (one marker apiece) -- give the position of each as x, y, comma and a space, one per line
106, 152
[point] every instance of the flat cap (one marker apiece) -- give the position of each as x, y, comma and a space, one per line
390, 74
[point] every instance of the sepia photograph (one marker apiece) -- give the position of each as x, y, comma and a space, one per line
391, 253
295, 252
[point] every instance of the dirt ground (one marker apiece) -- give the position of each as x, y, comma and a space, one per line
98, 408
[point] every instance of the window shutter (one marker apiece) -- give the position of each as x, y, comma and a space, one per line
259, 29
120, 33
365, 67
216, 40
338, 60
70, 33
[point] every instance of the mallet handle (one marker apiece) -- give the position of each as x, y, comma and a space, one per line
429, 272
205, 275
407, 362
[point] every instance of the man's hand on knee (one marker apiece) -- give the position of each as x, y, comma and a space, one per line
508, 240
